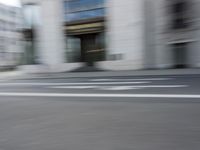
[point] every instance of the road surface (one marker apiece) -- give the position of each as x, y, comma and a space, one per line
107, 113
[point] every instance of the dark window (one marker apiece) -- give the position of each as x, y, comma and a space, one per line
180, 15
179, 7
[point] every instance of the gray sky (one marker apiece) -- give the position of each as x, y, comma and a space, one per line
11, 2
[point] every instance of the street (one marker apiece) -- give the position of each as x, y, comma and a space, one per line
102, 113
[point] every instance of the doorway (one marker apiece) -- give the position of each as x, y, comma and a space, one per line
89, 47
180, 55
92, 48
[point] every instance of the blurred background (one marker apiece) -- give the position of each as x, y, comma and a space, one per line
106, 34
99, 74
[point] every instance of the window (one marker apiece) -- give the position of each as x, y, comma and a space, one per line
31, 14
81, 5
180, 15
3, 23
83, 9
85, 14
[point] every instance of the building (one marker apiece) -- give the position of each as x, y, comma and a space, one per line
10, 36
114, 34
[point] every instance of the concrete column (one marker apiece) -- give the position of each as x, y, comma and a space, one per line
150, 34
125, 31
51, 38
194, 47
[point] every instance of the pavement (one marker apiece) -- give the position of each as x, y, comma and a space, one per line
146, 112
8, 75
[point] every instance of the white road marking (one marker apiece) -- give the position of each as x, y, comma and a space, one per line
74, 87
119, 87
143, 87
74, 83
184, 96
142, 79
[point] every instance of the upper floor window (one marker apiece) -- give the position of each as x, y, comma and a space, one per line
31, 14
83, 9
81, 5
180, 15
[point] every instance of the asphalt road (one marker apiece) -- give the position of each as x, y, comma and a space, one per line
107, 113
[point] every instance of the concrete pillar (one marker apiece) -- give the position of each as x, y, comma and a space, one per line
125, 31
51, 35
194, 47
150, 34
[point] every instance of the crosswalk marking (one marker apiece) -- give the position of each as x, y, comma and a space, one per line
74, 83
74, 87
116, 84
139, 79
119, 87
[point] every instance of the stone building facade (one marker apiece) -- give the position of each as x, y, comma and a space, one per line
117, 35
10, 36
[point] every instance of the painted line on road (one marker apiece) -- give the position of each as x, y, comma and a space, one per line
92, 95
119, 87
74, 83
142, 79
73, 87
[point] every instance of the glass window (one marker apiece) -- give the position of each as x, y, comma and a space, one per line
31, 15
80, 5
85, 15
83, 9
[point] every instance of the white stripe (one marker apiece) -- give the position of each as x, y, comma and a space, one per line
120, 87
144, 79
74, 87
143, 87
80, 83
99, 95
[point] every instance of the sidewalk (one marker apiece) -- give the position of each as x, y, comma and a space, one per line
8, 75
111, 74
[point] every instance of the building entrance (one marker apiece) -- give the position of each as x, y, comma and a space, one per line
86, 38
180, 55
92, 48
87, 48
